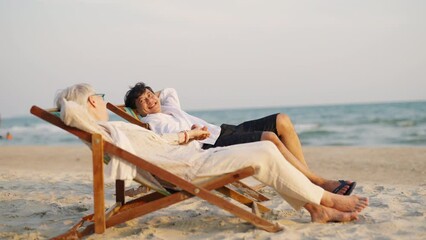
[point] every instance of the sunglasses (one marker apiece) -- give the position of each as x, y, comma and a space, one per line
102, 95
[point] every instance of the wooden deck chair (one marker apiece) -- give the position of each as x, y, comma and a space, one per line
123, 211
133, 117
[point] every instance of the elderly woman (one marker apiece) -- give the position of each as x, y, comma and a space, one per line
81, 107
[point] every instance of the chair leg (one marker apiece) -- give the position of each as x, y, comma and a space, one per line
119, 192
98, 183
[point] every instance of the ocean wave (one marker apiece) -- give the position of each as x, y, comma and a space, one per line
306, 127
34, 128
343, 125
37, 134
317, 133
410, 141
398, 122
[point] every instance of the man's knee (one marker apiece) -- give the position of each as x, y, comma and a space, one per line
284, 122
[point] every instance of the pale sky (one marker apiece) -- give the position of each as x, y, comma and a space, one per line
218, 54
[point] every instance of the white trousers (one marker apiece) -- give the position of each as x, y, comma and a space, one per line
271, 168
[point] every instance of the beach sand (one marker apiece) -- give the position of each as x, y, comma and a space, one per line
45, 190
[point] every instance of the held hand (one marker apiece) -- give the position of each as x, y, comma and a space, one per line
199, 133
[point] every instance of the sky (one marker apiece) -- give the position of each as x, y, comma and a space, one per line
220, 54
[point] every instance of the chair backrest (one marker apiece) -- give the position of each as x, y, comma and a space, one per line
130, 111
131, 115
52, 116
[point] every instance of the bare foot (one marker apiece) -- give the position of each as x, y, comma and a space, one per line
321, 214
331, 185
344, 203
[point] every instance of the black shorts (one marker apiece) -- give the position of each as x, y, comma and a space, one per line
250, 131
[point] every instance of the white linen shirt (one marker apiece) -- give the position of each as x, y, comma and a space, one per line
163, 151
173, 119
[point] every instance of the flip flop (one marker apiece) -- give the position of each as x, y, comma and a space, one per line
343, 183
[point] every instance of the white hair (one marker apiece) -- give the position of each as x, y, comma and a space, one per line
78, 93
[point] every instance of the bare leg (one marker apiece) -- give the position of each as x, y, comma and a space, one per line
344, 203
288, 136
321, 214
328, 185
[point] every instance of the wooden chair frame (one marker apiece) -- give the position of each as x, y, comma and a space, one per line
124, 211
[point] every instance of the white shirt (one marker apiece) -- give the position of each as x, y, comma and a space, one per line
163, 151
173, 119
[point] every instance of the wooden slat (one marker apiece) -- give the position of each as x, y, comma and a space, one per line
98, 183
250, 191
255, 209
241, 198
120, 112
113, 210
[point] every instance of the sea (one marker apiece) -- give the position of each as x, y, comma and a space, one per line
380, 124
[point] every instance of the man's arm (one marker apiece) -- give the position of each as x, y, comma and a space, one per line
184, 137
169, 97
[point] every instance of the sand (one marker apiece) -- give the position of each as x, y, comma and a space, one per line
45, 190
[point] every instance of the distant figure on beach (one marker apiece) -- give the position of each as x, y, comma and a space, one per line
1, 137
162, 111
82, 108
9, 136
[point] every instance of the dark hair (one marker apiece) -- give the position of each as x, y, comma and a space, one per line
134, 93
